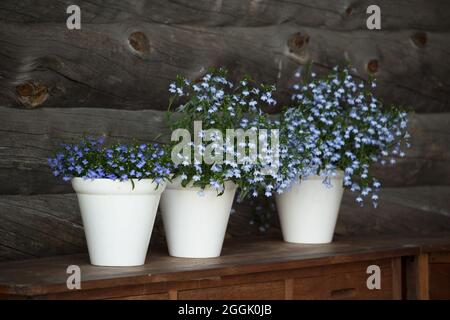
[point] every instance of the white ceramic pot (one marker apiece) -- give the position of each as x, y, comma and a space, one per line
308, 210
195, 224
118, 220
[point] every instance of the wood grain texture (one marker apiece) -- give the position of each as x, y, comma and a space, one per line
111, 78
398, 275
105, 64
401, 211
439, 270
338, 14
422, 277
420, 211
345, 283
427, 162
251, 270
40, 226
241, 262
46, 225
264, 291
439, 258
29, 137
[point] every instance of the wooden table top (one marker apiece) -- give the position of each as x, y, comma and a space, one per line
48, 275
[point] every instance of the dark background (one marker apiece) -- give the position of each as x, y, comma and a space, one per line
111, 78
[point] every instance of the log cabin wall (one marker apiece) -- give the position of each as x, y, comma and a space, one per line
111, 78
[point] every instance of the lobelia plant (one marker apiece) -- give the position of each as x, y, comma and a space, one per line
92, 159
223, 109
337, 124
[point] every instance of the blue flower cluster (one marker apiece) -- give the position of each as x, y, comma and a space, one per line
92, 159
337, 124
221, 105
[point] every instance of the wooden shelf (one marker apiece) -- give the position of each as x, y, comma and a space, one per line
256, 269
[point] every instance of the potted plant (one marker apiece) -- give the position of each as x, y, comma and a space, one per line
208, 165
334, 132
118, 189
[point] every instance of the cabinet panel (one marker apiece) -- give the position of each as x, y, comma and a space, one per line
345, 282
439, 274
252, 291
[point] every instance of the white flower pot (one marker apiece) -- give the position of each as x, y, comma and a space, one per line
308, 210
195, 224
118, 220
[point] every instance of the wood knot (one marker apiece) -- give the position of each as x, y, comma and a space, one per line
348, 11
32, 94
139, 42
297, 42
372, 66
419, 39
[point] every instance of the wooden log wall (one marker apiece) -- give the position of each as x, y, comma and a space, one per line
111, 78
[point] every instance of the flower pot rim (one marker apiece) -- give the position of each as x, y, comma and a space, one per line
111, 187
106, 179
339, 176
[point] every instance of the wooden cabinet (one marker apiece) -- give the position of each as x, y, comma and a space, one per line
347, 281
262, 291
439, 275
258, 270
432, 272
